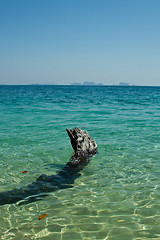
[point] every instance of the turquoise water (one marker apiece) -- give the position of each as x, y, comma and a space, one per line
117, 195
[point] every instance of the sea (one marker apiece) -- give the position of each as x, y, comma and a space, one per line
115, 197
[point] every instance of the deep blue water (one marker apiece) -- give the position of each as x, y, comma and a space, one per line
117, 195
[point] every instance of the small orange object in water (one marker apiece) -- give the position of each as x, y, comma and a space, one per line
43, 216
24, 171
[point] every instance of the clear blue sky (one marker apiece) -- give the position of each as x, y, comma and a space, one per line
64, 41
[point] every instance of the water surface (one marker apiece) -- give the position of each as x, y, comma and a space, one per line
117, 195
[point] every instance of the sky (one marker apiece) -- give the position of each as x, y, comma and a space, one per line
66, 41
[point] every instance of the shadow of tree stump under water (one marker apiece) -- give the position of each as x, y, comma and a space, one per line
84, 146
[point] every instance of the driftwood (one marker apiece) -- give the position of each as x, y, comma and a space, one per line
83, 145
84, 148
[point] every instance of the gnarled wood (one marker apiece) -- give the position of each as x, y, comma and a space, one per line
83, 145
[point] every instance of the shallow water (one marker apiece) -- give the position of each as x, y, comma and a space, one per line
117, 195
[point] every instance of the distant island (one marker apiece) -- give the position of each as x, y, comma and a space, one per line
98, 84
123, 84
88, 84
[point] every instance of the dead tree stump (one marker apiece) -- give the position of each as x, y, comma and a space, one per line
84, 146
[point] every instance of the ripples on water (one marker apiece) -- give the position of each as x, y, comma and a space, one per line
118, 194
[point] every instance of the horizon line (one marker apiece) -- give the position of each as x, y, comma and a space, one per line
80, 85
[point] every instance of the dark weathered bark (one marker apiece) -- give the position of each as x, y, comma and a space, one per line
84, 147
